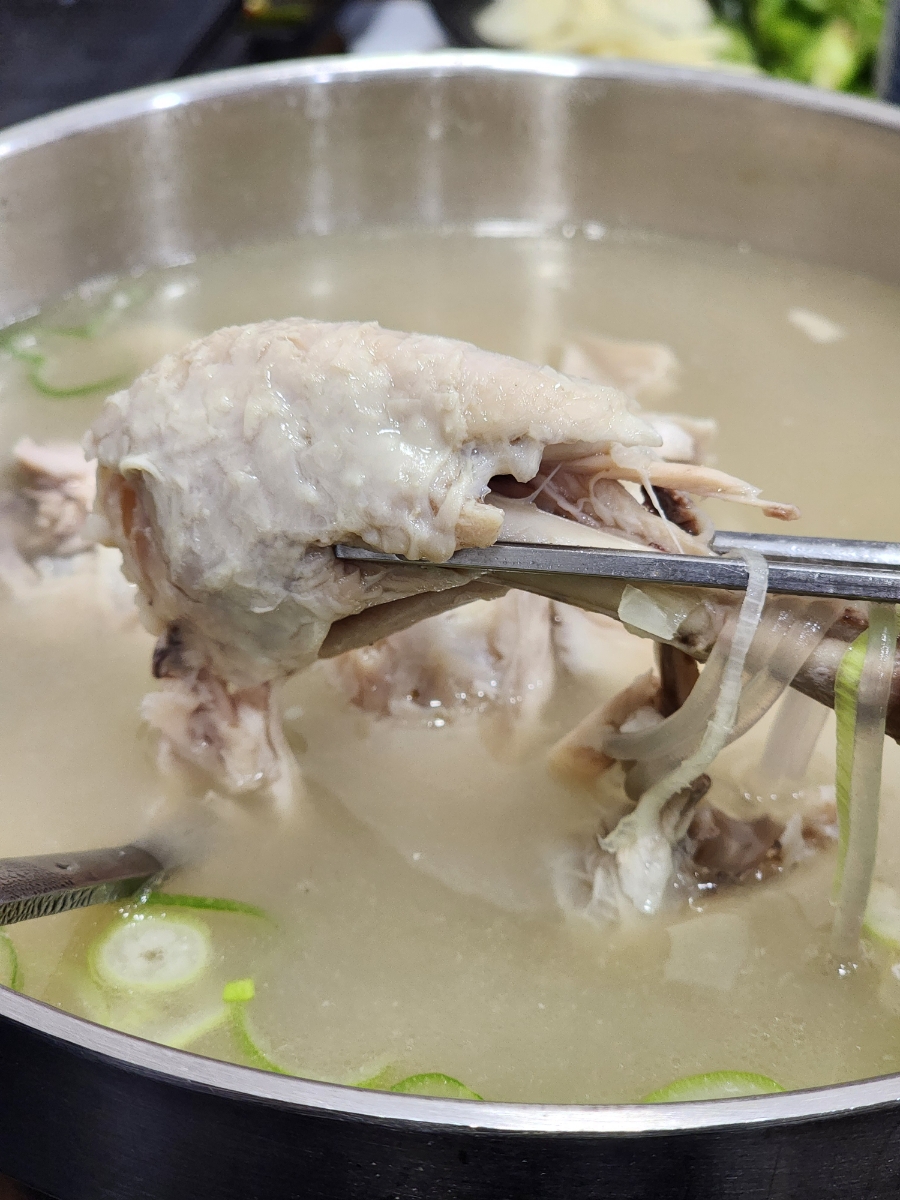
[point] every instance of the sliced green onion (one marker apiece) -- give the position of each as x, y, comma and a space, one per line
16, 349
151, 952
862, 692
379, 1082
205, 903
833, 58
145, 1014
244, 1040
83, 332
236, 995
66, 393
714, 1085
10, 975
882, 920
846, 688
25, 348
184, 1033
435, 1084
134, 1011
239, 991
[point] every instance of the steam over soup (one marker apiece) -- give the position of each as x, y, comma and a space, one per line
499, 848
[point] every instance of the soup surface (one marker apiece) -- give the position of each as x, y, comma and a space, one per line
414, 922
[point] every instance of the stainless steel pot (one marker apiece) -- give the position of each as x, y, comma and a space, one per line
163, 174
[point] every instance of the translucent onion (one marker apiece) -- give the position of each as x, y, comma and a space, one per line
782, 644
792, 738
862, 694
685, 727
637, 839
724, 714
778, 654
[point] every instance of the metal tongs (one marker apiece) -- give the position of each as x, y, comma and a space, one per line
849, 570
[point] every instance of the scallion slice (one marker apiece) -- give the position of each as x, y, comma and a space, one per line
31, 347
846, 688
882, 919
714, 1085
26, 348
10, 975
375, 1081
862, 692
182, 1034
236, 996
435, 1084
152, 952
205, 904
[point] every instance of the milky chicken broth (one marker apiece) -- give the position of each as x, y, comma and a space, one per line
414, 922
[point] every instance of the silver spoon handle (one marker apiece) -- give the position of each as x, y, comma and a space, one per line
55, 883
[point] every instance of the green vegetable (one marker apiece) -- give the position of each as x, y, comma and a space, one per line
144, 1014
237, 996
715, 1085
239, 991
788, 42
829, 43
862, 695
867, 17
66, 393
846, 689
739, 48
205, 903
10, 975
26, 348
182, 1034
151, 952
882, 920
435, 1084
379, 1082
832, 59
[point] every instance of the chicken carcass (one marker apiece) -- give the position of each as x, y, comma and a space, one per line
229, 471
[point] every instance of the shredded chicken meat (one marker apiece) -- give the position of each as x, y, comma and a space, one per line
43, 510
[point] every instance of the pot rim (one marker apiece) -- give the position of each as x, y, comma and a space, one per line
94, 114
183, 1069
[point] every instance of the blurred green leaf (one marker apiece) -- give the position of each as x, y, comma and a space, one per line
831, 43
279, 12
783, 41
739, 48
832, 59
866, 17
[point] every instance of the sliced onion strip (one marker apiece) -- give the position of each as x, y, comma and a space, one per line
792, 738
805, 625
862, 694
644, 822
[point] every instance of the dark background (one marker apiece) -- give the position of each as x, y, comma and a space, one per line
59, 52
